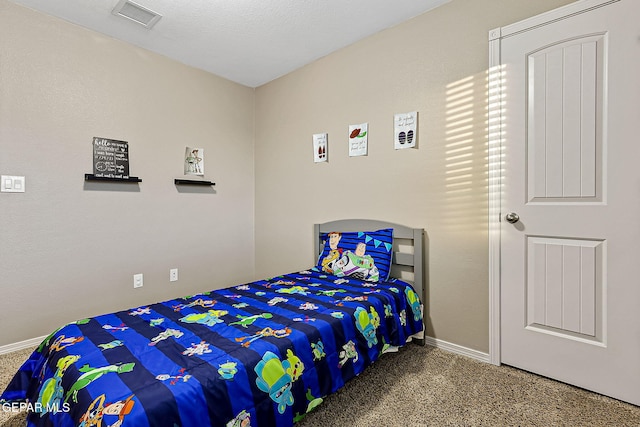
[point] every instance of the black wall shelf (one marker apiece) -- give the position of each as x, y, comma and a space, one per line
91, 177
192, 182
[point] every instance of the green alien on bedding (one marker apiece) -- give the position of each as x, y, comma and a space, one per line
414, 302
367, 323
276, 376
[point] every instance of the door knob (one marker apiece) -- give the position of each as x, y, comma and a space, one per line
512, 217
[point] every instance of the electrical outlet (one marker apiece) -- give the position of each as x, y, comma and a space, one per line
173, 275
138, 280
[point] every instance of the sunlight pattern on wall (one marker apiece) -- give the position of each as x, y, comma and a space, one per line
465, 154
495, 137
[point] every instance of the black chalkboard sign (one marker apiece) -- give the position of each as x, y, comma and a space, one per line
110, 158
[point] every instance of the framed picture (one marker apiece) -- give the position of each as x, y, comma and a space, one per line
405, 130
110, 158
320, 143
194, 161
358, 140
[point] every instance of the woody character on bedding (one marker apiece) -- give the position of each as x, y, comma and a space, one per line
259, 354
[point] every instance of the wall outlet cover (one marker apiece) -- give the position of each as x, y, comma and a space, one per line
138, 280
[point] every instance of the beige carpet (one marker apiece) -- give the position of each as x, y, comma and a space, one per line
9, 364
424, 386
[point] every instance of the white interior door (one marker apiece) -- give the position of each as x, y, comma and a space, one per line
570, 266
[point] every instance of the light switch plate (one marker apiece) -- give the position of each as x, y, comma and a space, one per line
12, 184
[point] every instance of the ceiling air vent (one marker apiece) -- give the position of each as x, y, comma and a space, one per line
136, 13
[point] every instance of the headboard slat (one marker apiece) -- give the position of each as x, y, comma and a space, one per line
401, 258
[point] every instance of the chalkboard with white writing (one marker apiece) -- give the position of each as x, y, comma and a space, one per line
110, 158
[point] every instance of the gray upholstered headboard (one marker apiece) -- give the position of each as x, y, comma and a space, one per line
408, 247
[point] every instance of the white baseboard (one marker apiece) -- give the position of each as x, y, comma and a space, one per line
17, 346
457, 349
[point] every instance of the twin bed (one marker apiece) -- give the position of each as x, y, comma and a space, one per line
259, 354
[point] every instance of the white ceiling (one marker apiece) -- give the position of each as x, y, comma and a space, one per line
247, 41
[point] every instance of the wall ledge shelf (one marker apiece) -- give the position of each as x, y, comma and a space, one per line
91, 177
192, 182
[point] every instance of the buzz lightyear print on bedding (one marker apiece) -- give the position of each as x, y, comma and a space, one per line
364, 255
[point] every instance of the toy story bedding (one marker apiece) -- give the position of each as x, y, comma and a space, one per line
259, 354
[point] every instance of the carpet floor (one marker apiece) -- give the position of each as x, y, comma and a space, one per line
425, 386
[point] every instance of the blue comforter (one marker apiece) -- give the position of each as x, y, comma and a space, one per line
260, 354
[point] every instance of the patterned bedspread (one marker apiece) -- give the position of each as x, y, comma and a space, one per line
259, 354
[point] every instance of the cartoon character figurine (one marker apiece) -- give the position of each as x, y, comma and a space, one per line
274, 377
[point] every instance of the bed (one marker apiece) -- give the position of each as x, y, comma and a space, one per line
263, 353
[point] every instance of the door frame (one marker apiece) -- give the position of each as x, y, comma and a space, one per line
495, 149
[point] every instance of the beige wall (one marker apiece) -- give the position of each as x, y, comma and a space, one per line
69, 249
436, 64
